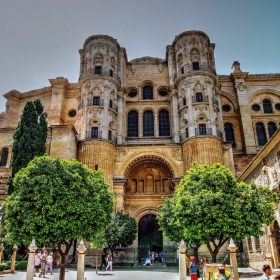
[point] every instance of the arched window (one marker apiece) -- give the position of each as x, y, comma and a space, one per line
132, 124
4, 157
148, 92
148, 123
271, 128
230, 134
163, 123
267, 108
261, 134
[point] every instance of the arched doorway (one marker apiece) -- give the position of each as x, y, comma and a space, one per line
149, 236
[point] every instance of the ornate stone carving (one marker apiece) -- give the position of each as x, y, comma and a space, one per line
195, 55
177, 153
240, 86
119, 154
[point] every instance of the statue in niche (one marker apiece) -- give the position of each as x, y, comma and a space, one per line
265, 177
274, 175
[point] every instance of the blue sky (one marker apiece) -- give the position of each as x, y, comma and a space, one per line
39, 39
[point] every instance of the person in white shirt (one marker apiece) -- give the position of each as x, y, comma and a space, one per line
49, 263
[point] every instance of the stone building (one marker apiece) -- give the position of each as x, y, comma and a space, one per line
265, 170
146, 120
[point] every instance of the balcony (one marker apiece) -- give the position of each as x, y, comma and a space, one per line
93, 135
188, 69
200, 98
215, 101
203, 131
98, 135
101, 72
182, 104
80, 106
95, 102
184, 136
113, 107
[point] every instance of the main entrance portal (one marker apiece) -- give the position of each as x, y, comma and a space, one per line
149, 236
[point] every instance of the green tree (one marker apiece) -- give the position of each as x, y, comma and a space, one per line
98, 243
211, 207
56, 201
121, 231
29, 138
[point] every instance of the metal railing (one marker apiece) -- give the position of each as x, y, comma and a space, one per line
114, 107
200, 98
188, 69
103, 72
184, 136
182, 104
93, 134
112, 138
95, 102
215, 101
80, 106
219, 134
203, 131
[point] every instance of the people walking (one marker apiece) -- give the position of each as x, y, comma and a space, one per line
266, 272
193, 268
49, 263
103, 260
110, 262
153, 257
37, 262
43, 264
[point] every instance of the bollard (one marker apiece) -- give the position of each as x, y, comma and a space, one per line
81, 261
233, 260
182, 260
31, 258
1, 251
15, 248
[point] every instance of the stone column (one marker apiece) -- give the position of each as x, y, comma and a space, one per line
182, 261
156, 125
15, 248
1, 251
120, 119
119, 193
233, 260
239, 78
31, 258
81, 261
176, 131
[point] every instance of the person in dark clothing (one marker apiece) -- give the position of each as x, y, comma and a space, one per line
103, 260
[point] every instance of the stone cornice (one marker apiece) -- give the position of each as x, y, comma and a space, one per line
191, 32
106, 37
147, 60
59, 81
239, 75
64, 127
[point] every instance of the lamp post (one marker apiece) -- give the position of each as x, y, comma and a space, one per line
1, 251
233, 260
31, 257
15, 248
81, 261
182, 260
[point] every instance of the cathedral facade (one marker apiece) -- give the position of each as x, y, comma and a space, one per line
146, 120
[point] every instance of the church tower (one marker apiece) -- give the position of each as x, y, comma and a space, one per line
195, 97
100, 101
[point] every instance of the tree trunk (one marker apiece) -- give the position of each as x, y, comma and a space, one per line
96, 270
63, 256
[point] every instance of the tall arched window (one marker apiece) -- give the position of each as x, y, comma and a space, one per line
230, 134
148, 92
132, 124
163, 123
271, 128
267, 108
148, 123
261, 134
4, 157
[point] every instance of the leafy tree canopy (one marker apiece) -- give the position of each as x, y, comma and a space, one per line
57, 201
29, 138
211, 207
121, 231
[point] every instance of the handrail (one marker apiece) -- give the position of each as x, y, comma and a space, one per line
103, 72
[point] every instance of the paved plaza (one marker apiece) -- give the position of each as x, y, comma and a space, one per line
118, 274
